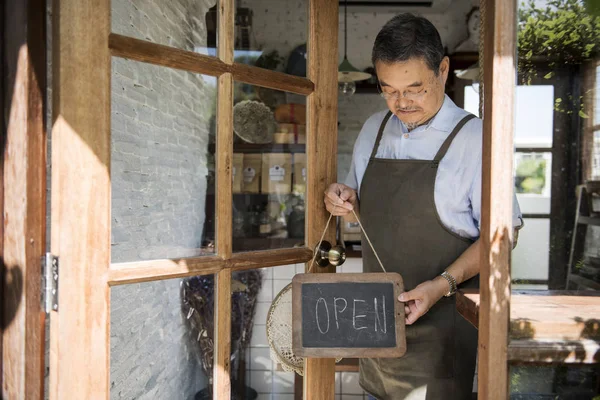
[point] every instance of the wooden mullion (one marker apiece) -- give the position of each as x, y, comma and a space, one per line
224, 204
269, 258
497, 190
321, 152
153, 270
24, 198
271, 79
166, 56
81, 199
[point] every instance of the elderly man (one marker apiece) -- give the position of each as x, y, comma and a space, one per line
416, 174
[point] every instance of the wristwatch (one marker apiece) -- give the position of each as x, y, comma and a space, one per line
451, 281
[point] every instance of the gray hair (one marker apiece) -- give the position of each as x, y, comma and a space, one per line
409, 36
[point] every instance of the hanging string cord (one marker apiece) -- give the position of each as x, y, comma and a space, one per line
345, 28
368, 240
363, 231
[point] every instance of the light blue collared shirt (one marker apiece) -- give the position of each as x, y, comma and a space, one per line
457, 190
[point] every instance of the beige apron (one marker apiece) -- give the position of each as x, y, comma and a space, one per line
398, 212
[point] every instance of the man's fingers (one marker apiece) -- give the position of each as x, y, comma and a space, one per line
348, 195
337, 201
335, 209
410, 295
413, 317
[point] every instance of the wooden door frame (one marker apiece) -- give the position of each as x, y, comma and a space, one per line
500, 39
81, 184
23, 198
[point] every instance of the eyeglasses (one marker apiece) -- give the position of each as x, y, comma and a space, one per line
407, 94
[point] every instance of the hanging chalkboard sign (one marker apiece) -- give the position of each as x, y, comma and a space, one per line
348, 315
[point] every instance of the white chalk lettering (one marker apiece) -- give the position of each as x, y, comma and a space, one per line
355, 317
335, 309
317, 312
377, 319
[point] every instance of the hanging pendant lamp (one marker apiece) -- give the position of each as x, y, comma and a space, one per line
347, 73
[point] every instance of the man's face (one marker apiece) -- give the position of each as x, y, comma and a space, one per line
413, 92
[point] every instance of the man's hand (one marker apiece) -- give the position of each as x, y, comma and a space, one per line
340, 199
419, 300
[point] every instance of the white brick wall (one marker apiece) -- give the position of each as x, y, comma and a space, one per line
160, 127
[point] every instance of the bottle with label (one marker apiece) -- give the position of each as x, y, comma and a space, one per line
252, 221
265, 224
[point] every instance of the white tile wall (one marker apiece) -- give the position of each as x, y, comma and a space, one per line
262, 310
279, 285
259, 337
350, 383
266, 292
283, 382
260, 360
284, 272
262, 381
352, 265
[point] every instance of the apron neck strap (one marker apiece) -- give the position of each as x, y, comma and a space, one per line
380, 133
446, 145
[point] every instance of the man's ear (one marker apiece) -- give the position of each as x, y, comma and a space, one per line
444, 68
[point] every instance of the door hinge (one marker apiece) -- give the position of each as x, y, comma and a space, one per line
49, 282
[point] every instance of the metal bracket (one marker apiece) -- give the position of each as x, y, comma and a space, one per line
49, 283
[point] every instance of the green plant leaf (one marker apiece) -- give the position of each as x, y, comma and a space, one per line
583, 115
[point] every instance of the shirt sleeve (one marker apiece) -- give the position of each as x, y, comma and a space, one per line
362, 150
351, 178
475, 199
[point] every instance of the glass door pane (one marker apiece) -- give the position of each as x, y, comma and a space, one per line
162, 339
162, 121
184, 24
269, 168
272, 35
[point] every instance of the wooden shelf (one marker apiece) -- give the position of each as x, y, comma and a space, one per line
582, 281
546, 326
263, 148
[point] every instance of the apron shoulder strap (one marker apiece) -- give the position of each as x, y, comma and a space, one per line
446, 145
380, 133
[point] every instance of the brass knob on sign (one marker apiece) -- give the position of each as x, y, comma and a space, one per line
330, 255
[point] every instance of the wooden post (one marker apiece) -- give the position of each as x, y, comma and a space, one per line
497, 192
224, 160
321, 149
79, 339
23, 198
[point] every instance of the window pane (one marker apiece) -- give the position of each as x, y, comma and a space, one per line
272, 35
162, 121
269, 182
161, 339
530, 258
185, 24
533, 181
253, 371
534, 110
